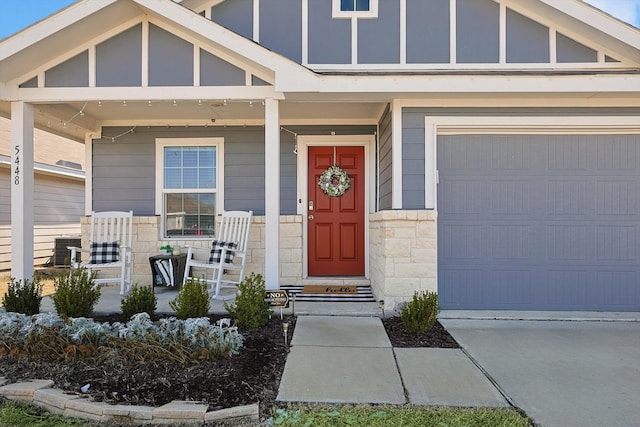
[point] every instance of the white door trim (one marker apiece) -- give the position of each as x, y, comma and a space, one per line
303, 144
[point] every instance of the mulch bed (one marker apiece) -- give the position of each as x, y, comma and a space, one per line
249, 377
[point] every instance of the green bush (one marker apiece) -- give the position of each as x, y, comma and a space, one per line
419, 314
192, 300
76, 293
141, 299
250, 309
23, 296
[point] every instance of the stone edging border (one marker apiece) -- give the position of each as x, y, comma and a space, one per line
39, 392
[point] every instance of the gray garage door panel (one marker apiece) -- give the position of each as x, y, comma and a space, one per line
544, 222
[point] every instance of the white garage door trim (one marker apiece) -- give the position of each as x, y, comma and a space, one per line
441, 125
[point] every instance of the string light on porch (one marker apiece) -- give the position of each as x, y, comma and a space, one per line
114, 138
295, 138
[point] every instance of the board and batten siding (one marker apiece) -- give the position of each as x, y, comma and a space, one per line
426, 29
124, 171
58, 205
413, 133
385, 161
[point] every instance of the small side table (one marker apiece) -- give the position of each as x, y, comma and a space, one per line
178, 263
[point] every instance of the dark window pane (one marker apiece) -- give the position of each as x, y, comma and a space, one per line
346, 5
362, 5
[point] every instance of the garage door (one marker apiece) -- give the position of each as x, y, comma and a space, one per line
539, 222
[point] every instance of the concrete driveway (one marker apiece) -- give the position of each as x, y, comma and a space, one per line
561, 373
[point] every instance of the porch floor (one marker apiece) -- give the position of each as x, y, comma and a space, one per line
110, 303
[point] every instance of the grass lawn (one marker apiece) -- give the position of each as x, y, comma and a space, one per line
21, 414
397, 416
18, 414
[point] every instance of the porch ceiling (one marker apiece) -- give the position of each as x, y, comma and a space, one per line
66, 118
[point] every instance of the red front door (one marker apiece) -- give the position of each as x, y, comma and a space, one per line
336, 224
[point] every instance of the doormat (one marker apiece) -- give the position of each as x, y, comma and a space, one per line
363, 294
323, 289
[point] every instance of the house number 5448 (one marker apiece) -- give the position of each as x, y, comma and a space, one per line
16, 173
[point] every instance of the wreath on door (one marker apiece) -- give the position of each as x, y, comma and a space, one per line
334, 181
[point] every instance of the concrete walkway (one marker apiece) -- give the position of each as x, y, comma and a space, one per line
561, 373
351, 360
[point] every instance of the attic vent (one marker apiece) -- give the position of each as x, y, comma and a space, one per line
69, 164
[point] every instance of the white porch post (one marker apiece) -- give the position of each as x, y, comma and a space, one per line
396, 152
272, 193
21, 180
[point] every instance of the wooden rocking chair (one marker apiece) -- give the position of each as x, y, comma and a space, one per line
228, 254
110, 247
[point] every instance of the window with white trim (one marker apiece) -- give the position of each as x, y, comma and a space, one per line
188, 186
355, 8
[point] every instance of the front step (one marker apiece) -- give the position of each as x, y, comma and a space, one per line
351, 309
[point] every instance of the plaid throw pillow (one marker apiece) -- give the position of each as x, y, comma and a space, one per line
216, 251
104, 253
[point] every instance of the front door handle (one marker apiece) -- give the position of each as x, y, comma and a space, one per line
310, 217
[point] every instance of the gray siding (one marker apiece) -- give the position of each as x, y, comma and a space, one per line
217, 72
329, 39
385, 161
236, 15
527, 41
57, 200
539, 222
569, 50
428, 31
281, 27
413, 156
379, 39
73, 72
30, 83
478, 32
124, 172
257, 81
170, 59
119, 59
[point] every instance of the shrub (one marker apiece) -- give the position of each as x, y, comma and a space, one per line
419, 314
250, 309
23, 296
50, 336
192, 300
76, 293
140, 300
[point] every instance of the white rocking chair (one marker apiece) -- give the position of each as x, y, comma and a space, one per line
110, 247
227, 254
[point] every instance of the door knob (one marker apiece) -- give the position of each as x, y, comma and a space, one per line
310, 217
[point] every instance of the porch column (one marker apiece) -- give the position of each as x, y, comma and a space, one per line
272, 193
21, 180
396, 154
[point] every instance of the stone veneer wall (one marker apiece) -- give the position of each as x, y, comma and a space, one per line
404, 254
147, 242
